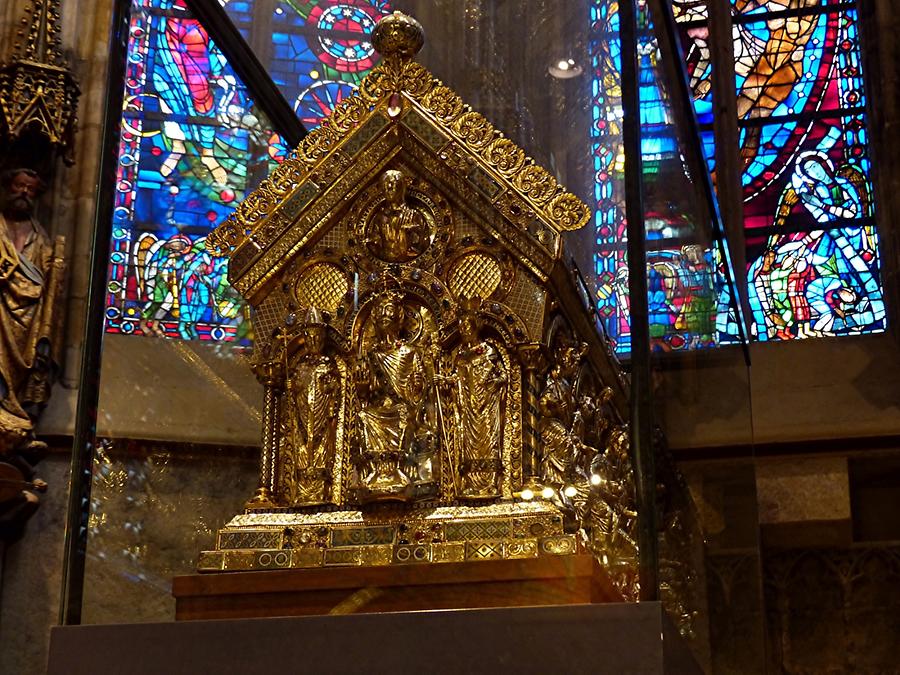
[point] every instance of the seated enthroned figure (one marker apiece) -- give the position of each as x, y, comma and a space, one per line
391, 386
399, 230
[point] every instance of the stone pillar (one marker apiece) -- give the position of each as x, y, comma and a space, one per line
85, 35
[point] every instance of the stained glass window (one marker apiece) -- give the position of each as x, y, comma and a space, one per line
811, 244
685, 286
315, 51
194, 144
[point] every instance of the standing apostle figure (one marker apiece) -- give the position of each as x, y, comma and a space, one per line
481, 381
31, 271
315, 393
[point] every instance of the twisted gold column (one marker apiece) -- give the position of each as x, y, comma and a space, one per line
272, 377
532, 358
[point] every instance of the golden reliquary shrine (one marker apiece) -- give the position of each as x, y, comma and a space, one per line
435, 391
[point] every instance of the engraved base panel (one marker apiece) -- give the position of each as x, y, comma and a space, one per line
257, 541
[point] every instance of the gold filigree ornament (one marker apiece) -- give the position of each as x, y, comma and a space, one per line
568, 211
506, 156
283, 181
348, 114
443, 103
474, 129
397, 77
537, 184
316, 144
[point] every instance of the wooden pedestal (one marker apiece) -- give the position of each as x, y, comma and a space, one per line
550, 580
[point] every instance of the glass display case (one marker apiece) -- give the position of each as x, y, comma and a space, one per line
413, 341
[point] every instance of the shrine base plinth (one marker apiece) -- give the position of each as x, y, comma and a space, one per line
552, 580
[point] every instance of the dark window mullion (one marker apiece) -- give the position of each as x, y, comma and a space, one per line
243, 60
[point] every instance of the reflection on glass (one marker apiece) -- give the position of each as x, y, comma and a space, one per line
686, 285
153, 506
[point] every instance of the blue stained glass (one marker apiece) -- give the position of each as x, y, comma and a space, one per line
818, 283
708, 138
316, 50
803, 173
758, 43
756, 47
606, 142
193, 145
657, 134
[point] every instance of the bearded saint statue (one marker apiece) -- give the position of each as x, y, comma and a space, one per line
31, 272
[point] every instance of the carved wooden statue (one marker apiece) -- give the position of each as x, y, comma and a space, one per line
38, 105
31, 271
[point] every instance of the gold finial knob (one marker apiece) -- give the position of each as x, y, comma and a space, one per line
398, 34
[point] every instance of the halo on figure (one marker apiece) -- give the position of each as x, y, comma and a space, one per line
800, 175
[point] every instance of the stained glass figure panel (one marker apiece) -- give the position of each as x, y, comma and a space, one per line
808, 195
193, 145
815, 175
781, 67
817, 284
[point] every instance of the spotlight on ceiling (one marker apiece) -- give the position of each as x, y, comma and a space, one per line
564, 68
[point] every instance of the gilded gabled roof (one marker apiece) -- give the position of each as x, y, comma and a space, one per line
460, 136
